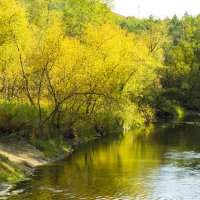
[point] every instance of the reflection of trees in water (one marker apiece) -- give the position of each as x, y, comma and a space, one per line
119, 165
111, 167
177, 135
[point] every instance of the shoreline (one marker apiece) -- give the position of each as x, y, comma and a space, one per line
27, 157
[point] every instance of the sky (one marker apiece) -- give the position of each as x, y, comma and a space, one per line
157, 8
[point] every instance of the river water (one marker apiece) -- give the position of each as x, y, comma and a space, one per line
161, 162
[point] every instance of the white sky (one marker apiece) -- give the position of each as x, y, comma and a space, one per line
157, 8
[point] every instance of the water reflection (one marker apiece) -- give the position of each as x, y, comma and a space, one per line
162, 162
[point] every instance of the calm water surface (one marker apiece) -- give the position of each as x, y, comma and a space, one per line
160, 163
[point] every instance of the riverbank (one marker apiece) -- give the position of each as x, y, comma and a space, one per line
19, 156
18, 159
140, 164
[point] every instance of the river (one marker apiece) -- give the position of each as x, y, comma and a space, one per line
162, 162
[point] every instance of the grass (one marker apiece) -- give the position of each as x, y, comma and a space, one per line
10, 172
17, 116
51, 147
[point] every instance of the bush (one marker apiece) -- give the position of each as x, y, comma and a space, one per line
195, 104
173, 94
84, 129
15, 116
51, 147
107, 123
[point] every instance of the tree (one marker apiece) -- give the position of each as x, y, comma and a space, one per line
78, 13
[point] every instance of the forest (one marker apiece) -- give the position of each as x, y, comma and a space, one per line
76, 67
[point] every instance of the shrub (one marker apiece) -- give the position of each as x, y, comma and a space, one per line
15, 116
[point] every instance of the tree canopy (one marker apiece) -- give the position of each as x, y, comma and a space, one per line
74, 64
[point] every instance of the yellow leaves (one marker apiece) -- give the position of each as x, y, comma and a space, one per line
106, 39
15, 35
13, 20
155, 38
15, 41
92, 73
44, 13
107, 48
51, 42
68, 69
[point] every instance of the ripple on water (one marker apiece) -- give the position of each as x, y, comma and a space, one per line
174, 180
185, 155
8, 193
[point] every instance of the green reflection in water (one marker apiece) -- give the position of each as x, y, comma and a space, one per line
160, 162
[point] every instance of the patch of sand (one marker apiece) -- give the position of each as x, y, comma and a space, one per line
22, 153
